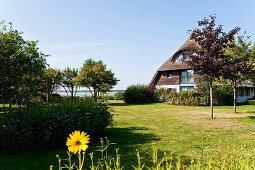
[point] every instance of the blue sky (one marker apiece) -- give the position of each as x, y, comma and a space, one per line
132, 37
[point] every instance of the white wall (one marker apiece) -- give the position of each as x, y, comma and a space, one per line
177, 87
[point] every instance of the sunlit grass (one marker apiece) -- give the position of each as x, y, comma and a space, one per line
174, 129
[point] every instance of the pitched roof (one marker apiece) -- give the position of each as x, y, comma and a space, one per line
170, 63
246, 83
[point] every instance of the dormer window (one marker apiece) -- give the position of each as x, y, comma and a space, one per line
184, 56
169, 74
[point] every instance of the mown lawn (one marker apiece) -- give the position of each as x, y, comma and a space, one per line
174, 129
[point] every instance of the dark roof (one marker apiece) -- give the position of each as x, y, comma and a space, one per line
170, 63
246, 83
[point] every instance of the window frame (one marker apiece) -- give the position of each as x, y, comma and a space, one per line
168, 74
187, 77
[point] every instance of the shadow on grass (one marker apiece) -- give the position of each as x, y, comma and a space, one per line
252, 117
248, 119
127, 140
125, 104
132, 138
250, 112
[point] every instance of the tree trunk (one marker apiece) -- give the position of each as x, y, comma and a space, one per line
47, 97
234, 109
72, 90
211, 99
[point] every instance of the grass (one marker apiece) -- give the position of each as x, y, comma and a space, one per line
174, 129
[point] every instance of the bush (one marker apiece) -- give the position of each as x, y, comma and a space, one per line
119, 95
41, 126
138, 94
251, 102
161, 94
186, 98
223, 94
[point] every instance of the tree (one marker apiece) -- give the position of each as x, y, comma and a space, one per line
236, 65
68, 81
50, 81
94, 76
21, 64
211, 43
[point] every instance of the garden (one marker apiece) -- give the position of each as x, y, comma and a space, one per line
143, 127
176, 130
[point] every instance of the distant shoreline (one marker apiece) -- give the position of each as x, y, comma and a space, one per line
89, 91
83, 93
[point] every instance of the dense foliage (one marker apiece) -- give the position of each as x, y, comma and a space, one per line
161, 94
50, 81
211, 42
251, 102
21, 65
68, 81
138, 94
119, 95
223, 93
187, 98
94, 76
41, 126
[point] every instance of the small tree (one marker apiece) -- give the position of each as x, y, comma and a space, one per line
211, 43
236, 65
94, 76
68, 81
50, 81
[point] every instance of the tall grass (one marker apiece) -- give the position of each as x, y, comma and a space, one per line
221, 157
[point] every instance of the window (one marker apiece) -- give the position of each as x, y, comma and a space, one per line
184, 56
241, 91
248, 91
187, 76
169, 74
187, 88
169, 90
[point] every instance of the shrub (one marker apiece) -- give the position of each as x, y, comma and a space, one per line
223, 94
119, 95
41, 126
138, 94
173, 98
251, 102
187, 98
161, 94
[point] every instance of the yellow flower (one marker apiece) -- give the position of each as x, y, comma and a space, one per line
77, 141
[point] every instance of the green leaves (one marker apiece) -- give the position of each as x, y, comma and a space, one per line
21, 64
94, 75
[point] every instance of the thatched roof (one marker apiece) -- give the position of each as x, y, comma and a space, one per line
246, 83
170, 64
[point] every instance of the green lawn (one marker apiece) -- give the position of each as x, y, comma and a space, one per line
174, 129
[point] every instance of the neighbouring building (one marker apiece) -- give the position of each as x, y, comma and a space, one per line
176, 75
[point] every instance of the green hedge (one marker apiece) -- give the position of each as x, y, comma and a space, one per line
119, 95
42, 126
187, 98
138, 94
251, 102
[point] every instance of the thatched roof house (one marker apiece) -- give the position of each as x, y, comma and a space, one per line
176, 75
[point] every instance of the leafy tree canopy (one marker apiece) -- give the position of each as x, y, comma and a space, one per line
50, 81
68, 80
21, 64
94, 76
